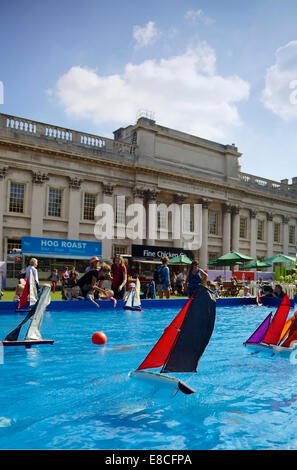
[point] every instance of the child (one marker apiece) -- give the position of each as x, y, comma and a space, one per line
76, 294
90, 296
131, 287
18, 292
151, 290
246, 292
109, 295
213, 287
54, 277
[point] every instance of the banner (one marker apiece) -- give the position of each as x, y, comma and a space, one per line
154, 253
60, 248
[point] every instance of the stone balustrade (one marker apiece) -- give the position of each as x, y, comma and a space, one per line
282, 188
12, 126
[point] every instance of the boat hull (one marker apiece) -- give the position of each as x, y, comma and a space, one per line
134, 309
273, 349
162, 380
27, 343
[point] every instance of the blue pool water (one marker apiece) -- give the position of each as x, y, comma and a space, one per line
75, 395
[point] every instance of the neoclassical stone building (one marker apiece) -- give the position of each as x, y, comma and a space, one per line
51, 180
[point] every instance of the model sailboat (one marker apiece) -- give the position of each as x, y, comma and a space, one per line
133, 301
183, 342
276, 334
33, 335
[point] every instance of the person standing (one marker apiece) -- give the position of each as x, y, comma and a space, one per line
194, 277
164, 279
54, 277
73, 277
65, 278
33, 263
119, 277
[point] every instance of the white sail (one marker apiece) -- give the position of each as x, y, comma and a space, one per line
133, 299
129, 299
137, 302
33, 332
32, 290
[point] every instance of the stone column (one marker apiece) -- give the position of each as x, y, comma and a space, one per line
139, 198
3, 173
235, 228
269, 234
253, 234
177, 219
74, 208
227, 209
204, 247
37, 203
107, 191
151, 196
285, 235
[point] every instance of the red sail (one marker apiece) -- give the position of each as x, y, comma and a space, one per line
24, 298
158, 355
276, 327
292, 336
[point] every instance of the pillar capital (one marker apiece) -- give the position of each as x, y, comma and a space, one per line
139, 192
269, 216
151, 194
39, 178
74, 183
235, 210
3, 172
107, 189
205, 203
179, 198
227, 208
253, 213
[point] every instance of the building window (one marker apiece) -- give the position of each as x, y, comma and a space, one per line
213, 223
292, 236
243, 227
16, 197
13, 245
89, 206
260, 230
277, 232
162, 217
120, 215
119, 250
55, 202
188, 218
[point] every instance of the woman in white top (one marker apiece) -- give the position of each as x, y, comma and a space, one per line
33, 263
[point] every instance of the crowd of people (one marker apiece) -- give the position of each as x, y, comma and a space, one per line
86, 286
89, 285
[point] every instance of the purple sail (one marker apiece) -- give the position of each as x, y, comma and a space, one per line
260, 332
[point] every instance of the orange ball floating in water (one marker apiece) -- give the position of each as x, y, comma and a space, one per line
99, 337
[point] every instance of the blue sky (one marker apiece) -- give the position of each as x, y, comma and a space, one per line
221, 70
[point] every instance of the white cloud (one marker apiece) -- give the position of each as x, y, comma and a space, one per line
198, 16
279, 94
184, 92
145, 36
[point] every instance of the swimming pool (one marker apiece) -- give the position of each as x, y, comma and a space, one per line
75, 395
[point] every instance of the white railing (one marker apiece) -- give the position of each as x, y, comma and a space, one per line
290, 289
67, 136
269, 185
